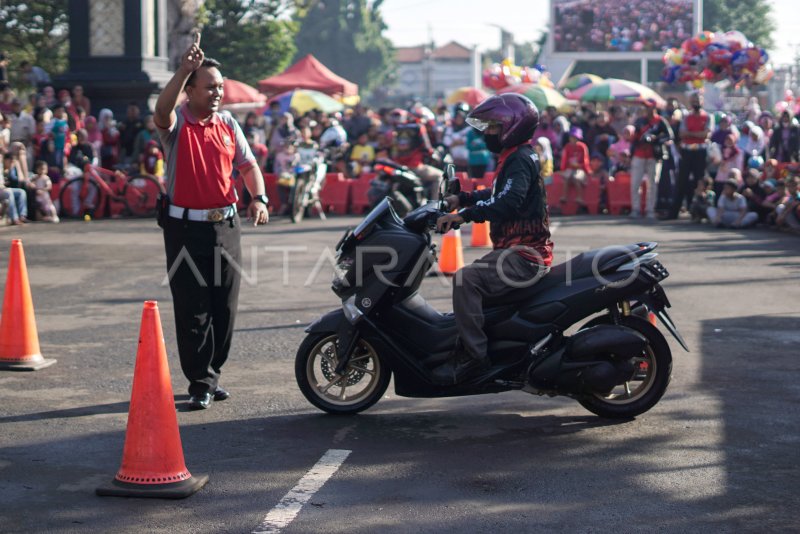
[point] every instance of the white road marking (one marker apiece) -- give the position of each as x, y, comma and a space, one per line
554, 226
286, 510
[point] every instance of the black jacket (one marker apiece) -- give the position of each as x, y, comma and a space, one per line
793, 145
516, 206
655, 135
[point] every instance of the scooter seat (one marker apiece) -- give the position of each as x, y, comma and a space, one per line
581, 266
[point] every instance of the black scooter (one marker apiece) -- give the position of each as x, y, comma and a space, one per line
398, 182
616, 365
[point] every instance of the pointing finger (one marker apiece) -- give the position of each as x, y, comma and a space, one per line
197, 38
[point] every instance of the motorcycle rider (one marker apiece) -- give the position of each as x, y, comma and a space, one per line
412, 147
517, 208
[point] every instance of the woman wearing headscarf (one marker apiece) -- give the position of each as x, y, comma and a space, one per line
542, 147
755, 143
561, 127
93, 134
784, 144
109, 150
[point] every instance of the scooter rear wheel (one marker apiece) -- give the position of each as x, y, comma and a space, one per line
648, 383
361, 385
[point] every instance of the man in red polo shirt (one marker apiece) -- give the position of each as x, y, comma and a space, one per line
694, 134
202, 231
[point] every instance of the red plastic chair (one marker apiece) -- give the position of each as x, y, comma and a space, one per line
466, 182
359, 202
591, 196
486, 181
271, 183
553, 188
335, 194
619, 194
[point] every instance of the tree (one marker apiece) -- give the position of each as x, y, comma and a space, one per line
347, 36
751, 17
248, 37
35, 31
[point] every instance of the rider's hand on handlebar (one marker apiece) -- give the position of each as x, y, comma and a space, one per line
449, 221
451, 202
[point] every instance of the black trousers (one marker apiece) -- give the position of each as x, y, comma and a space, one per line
500, 273
693, 163
202, 262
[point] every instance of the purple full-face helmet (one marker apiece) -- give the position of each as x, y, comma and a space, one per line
515, 113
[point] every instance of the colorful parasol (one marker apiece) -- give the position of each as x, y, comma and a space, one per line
579, 80
614, 90
471, 95
539, 95
304, 100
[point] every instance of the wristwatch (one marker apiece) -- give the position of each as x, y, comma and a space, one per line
261, 198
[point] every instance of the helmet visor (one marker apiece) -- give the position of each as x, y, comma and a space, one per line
480, 124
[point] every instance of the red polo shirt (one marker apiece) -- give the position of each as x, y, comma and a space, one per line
200, 159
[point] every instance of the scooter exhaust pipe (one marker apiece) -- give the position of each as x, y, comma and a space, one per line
600, 340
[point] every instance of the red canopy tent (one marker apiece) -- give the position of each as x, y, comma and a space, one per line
308, 73
240, 93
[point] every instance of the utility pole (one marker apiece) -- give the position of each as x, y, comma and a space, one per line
506, 42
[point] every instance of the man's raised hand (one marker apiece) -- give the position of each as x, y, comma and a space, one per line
193, 57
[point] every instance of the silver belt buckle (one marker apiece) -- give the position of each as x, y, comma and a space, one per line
216, 215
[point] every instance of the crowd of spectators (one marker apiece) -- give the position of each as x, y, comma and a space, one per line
613, 26
51, 135
749, 162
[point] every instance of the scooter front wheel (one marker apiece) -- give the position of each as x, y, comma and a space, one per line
361, 385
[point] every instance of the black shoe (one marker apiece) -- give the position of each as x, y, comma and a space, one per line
220, 394
460, 368
200, 402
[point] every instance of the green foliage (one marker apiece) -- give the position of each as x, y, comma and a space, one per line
247, 37
34, 31
347, 36
751, 17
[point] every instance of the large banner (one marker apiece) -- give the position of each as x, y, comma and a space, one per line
605, 26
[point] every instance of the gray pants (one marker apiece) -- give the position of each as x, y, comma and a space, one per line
730, 217
501, 273
641, 167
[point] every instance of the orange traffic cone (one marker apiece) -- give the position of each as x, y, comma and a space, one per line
480, 235
152, 459
19, 340
451, 258
480, 231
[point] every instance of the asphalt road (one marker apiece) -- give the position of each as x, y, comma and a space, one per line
719, 453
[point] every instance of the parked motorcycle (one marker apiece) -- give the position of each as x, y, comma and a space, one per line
398, 182
304, 194
616, 365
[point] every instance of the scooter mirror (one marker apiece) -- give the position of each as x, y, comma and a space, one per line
453, 184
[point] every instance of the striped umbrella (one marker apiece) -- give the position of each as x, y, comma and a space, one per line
579, 80
614, 90
539, 95
304, 100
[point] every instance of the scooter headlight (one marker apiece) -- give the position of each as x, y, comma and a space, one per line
341, 272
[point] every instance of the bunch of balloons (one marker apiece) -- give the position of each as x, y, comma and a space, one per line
716, 57
504, 74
